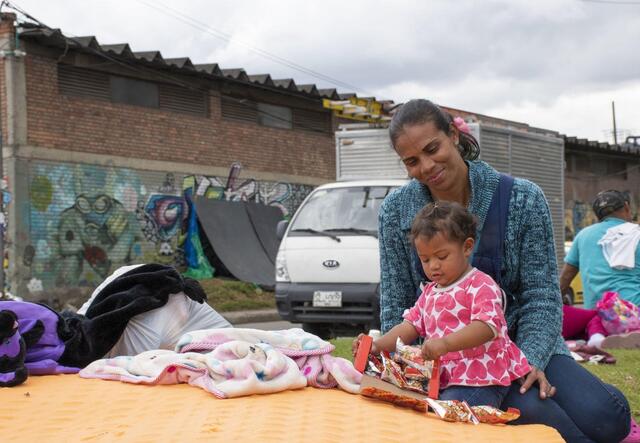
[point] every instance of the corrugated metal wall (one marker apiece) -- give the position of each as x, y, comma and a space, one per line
536, 157
367, 154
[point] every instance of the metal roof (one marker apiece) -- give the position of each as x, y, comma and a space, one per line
123, 52
626, 148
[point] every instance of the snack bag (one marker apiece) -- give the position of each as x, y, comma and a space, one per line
618, 316
495, 416
398, 400
453, 410
392, 372
374, 366
412, 357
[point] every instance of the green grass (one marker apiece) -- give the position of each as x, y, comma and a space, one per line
343, 347
231, 295
625, 374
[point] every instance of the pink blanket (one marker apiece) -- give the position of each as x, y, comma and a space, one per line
232, 362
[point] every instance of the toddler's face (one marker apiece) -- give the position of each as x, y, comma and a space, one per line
444, 261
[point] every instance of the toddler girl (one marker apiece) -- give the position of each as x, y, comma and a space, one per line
460, 312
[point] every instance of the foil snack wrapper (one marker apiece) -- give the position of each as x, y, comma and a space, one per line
411, 356
495, 416
460, 411
453, 410
392, 372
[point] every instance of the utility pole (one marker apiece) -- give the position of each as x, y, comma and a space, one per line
615, 130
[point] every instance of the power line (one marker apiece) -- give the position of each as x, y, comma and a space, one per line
154, 72
229, 38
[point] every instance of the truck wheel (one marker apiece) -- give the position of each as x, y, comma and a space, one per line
322, 330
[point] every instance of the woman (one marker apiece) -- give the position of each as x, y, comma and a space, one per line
441, 160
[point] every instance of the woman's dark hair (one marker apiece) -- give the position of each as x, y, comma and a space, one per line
448, 218
418, 111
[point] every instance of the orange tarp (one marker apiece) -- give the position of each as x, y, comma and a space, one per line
67, 408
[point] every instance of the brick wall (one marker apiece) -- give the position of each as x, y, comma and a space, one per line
81, 219
96, 126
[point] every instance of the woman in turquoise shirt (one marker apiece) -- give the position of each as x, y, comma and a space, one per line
441, 160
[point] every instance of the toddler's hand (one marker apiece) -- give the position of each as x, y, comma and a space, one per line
434, 348
356, 342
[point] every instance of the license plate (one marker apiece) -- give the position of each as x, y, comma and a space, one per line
327, 299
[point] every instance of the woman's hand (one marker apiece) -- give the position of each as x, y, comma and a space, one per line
434, 348
536, 375
356, 343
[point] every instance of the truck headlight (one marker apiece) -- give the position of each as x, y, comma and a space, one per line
282, 274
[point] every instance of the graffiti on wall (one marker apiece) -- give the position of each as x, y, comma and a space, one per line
85, 221
88, 220
285, 196
161, 218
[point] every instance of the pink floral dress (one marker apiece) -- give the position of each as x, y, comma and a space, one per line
441, 311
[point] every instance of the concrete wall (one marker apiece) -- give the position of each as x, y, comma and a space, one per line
82, 221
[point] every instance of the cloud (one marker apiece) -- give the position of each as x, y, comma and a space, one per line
524, 60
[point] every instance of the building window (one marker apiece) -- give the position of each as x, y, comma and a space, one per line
83, 82
274, 116
238, 109
316, 121
134, 92
187, 101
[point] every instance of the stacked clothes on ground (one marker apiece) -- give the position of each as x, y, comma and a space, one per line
64, 343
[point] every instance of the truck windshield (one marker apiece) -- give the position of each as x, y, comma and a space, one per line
351, 211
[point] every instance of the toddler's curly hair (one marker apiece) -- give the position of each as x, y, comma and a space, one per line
447, 218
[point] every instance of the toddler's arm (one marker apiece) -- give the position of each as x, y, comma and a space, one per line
474, 334
405, 330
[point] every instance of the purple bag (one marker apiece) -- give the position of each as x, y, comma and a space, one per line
618, 316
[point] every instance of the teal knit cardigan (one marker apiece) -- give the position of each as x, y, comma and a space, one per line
530, 274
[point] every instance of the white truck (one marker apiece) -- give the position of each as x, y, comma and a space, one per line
327, 267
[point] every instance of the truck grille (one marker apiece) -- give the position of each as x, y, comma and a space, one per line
352, 312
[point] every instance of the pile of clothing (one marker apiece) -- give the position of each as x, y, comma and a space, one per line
58, 343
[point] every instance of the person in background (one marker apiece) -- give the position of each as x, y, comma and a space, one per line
440, 155
608, 258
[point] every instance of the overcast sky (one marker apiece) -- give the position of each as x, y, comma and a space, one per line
555, 64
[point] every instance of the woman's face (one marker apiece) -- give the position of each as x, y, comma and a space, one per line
431, 156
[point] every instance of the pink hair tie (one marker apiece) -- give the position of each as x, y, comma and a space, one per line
461, 125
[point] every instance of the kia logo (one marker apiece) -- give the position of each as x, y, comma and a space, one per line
330, 263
